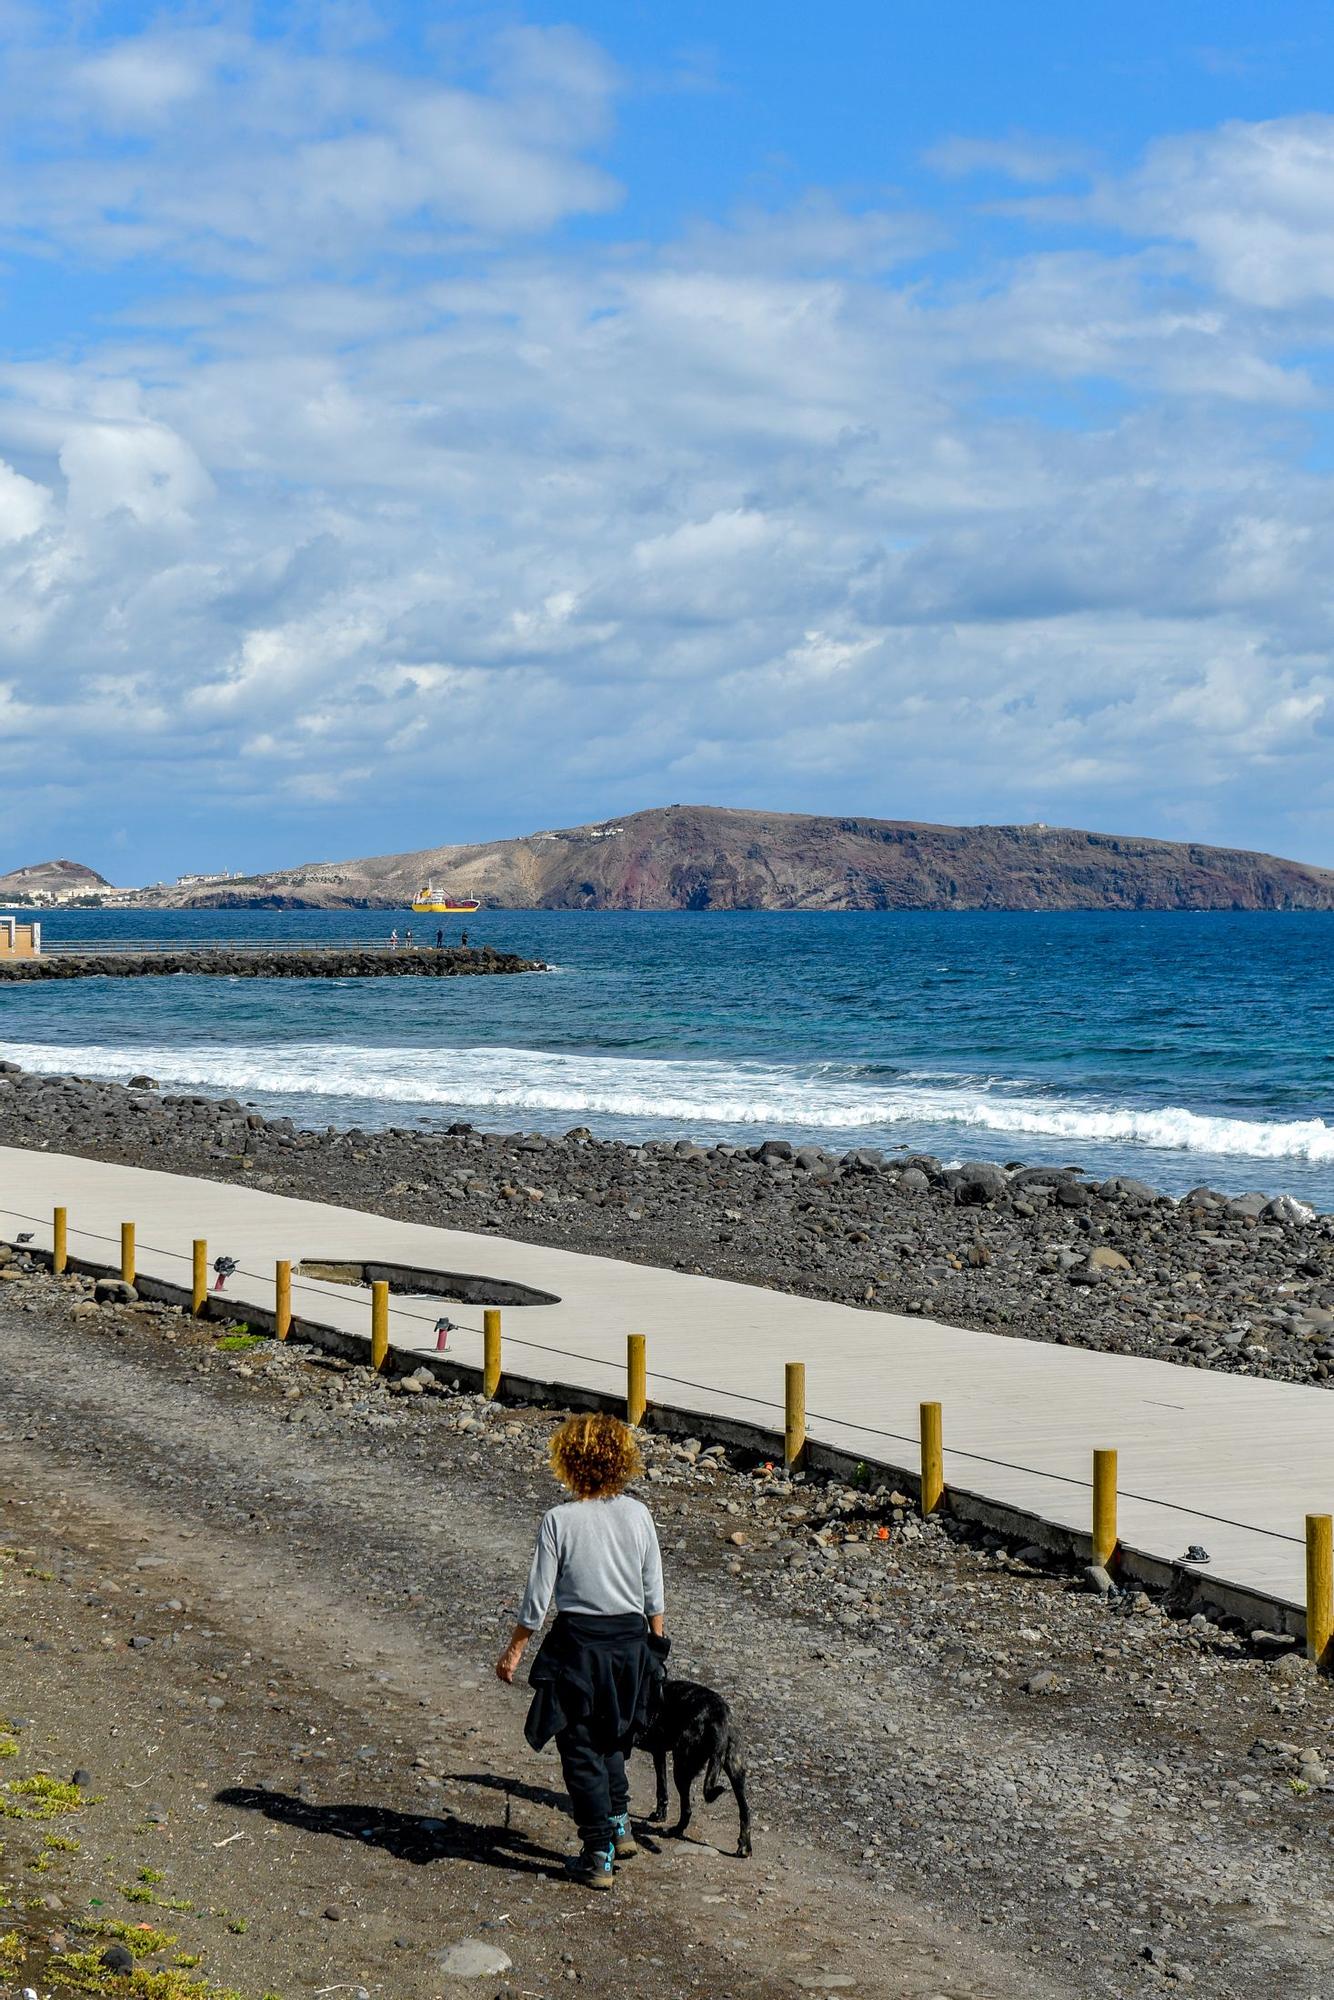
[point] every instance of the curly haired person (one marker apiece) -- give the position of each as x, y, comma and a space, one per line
596, 1673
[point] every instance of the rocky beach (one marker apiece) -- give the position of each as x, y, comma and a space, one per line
1242, 1283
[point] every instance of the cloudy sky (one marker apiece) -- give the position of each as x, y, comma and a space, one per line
420, 424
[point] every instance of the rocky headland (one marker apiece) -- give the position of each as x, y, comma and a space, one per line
687, 857
1241, 1283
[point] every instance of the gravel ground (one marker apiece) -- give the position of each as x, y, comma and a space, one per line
1243, 1284
257, 1596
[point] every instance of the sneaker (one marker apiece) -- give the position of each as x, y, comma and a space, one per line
593, 1866
624, 1845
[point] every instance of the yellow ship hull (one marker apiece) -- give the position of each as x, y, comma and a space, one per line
445, 909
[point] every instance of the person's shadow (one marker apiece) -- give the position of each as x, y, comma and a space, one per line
647, 1835
417, 1838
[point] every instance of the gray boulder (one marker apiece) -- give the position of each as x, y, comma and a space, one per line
1123, 1187
114, 1292
473, 1958
978, 1181
1284, 1209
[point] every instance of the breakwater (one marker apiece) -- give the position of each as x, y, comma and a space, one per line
270, 961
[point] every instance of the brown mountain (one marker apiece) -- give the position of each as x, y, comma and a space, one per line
51, 878
709, 857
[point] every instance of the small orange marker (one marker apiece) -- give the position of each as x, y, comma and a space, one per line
882, 1534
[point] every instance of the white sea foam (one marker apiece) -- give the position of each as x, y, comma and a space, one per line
833, 1098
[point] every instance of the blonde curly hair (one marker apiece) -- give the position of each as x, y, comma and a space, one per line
594, 1455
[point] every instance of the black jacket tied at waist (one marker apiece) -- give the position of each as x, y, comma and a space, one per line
604, 1672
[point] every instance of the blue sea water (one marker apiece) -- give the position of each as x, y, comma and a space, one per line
1180, 1048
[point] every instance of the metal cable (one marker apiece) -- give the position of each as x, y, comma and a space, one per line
734, 1395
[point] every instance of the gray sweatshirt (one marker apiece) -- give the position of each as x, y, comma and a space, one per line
599, 1557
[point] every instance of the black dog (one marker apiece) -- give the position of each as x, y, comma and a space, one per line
695, 1726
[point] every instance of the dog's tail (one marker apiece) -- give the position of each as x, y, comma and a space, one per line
726, 1750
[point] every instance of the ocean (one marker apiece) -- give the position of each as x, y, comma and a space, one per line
1179, 1048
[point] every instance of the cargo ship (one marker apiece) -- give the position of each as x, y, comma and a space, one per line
429, 901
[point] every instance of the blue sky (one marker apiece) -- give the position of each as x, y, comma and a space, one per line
422, 425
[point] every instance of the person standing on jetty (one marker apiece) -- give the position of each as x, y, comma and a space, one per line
597, 1672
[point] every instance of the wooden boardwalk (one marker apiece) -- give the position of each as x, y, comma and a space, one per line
1228, 1462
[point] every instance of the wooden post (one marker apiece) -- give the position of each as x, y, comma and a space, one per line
933, 1458
379, 1324
636, 1378
491, 1352
199, 1276
1104, 1506
127, 1252
59, 1251
282, 1299
794, 1414
1320, 1590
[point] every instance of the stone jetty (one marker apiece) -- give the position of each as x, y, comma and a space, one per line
272, 962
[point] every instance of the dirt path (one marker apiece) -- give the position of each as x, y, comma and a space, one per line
258, 1600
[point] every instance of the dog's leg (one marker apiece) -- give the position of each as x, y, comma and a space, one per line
660, 1773
685, 1778
735, 1767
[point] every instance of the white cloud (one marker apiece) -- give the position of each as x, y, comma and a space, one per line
24, 505
388, 478
1020, 157
1254, 201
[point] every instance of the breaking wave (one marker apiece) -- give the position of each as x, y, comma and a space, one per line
840, 1099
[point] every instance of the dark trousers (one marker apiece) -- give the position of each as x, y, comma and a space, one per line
596, 1782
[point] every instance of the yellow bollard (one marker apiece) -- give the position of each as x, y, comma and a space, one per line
636, 1378
491, 1351
1320, 1590
933, 1458
127, 1252
282, 1299
59, 1253
794, 1414
199, 1276
1104, 1506
379, 1324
